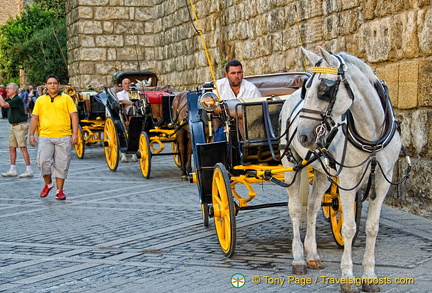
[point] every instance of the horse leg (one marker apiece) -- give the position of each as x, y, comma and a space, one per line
347, 199
320, 186
182, 153
189, 154
295, 211
372, 227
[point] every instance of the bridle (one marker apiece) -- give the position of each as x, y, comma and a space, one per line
327, 91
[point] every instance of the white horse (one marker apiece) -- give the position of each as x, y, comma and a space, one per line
341, 87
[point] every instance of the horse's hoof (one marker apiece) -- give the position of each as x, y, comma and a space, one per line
370, 288
299, 269
184, 178
351, 288
315, 264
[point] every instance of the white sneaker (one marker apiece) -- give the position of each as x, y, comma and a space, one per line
134, 158
26, 174
10, 173
124, 158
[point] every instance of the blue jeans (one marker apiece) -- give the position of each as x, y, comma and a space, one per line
219, 135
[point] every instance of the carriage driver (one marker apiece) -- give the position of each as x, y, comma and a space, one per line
123, 98
232, 87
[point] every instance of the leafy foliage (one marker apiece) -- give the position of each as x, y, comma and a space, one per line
58, 6
33, 41
42, 55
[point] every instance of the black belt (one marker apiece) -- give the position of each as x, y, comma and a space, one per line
15, 124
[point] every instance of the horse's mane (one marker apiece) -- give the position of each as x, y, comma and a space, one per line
361, 65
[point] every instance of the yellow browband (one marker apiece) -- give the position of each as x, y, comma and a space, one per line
325, 70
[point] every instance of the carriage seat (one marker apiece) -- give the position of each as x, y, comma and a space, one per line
252, 108
252, 134
278, 84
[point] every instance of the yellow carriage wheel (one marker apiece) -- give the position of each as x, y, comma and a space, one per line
224, 210
145, 154
336, 217
79, 146
111, 145
176, 156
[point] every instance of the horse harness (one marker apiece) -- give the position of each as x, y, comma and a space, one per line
327, 130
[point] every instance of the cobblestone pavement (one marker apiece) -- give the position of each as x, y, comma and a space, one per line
118, 232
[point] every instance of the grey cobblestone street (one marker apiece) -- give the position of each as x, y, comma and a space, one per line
118, 232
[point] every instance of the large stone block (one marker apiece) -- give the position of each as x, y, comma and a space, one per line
408, 85
93, 54
104, 68
84, 12
93, 2
424, 23
90, 27
415, 194
87, 41
129, 53
112, 13
86, 67
109, 41
390, 74
128, 27
375, 38
425, 83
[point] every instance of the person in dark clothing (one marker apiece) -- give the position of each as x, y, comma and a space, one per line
19, 130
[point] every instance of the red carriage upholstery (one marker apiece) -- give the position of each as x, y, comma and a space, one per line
155, 97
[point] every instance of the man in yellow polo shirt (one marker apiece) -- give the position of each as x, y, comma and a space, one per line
57, 117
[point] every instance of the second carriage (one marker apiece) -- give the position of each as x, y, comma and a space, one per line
249, 155
147, 128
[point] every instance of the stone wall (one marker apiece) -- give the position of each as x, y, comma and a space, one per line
9, 9
394, 37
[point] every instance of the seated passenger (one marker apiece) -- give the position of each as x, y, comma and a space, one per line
233, 86
123, 98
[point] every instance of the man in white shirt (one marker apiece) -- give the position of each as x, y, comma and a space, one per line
233, 86
123, 98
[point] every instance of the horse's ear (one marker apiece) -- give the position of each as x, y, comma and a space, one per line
329, 58
310, 56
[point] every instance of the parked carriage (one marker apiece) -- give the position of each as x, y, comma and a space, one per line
250, 155
91, 113
145, 130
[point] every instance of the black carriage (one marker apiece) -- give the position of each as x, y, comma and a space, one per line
146, 129
91, 113
249, 155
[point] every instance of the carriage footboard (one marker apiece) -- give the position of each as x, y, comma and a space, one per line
209, 154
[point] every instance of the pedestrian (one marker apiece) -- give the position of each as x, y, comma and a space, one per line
57, 117
3, 95
33, 94
18, 132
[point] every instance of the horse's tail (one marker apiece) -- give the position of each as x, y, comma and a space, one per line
304, 192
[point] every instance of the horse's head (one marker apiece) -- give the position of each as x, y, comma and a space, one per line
326, 97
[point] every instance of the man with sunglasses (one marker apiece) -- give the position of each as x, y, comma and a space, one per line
57, 117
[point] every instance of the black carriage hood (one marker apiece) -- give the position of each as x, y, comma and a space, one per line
135, 76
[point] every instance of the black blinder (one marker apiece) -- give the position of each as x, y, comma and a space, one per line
306, 84
326, 89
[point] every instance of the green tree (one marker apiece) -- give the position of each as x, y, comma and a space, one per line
58, 6
34, 40
43, 56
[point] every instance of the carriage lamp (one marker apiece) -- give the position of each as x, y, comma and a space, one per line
209, 101
133, 92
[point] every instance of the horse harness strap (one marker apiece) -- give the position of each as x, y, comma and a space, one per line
327, 91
